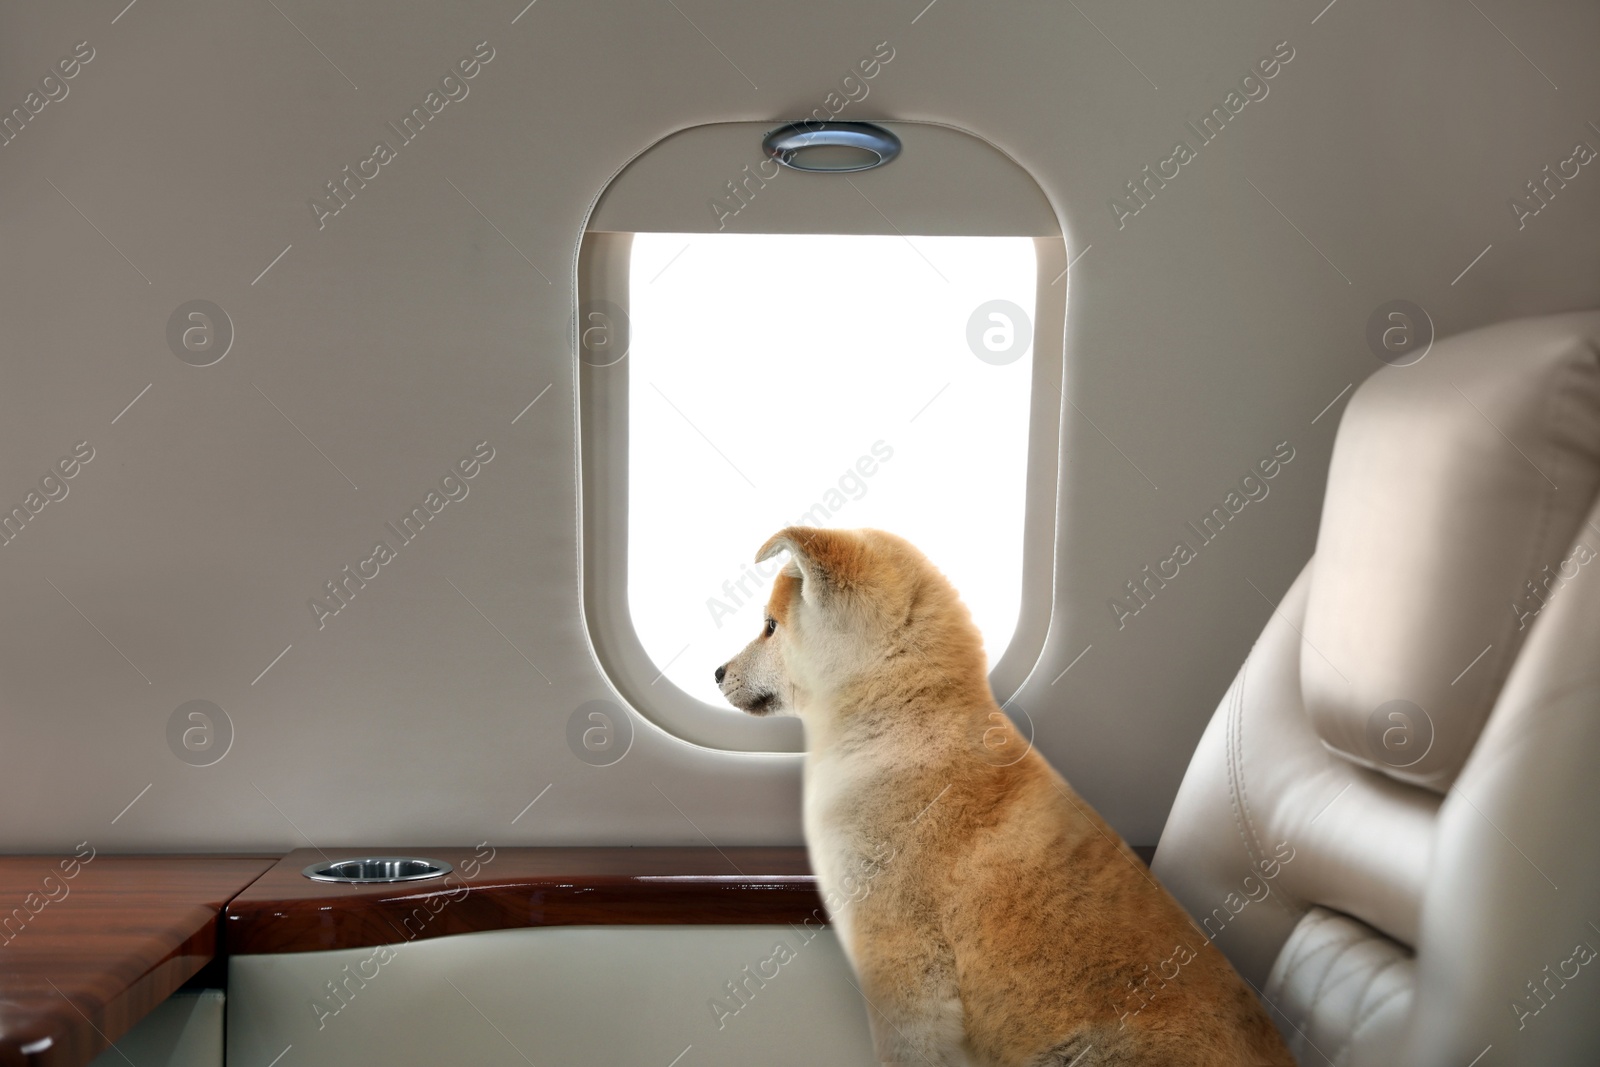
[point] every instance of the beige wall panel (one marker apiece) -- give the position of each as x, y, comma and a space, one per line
373, 350
591, 995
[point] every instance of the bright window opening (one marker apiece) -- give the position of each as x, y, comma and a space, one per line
821, 380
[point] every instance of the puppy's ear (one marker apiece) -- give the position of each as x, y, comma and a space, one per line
826, 561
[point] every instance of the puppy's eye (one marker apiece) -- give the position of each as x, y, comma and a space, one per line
772, 625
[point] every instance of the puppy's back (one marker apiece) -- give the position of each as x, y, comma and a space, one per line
1063, 940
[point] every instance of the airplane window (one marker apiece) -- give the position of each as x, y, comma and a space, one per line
824, 380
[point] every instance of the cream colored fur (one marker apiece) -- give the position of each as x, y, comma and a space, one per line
991, 916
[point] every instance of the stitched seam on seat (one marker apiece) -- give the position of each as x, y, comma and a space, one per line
1356, 938
1315, 1000
1240, 803
1303, 933
1236, 773
1315, 918
1366, 989
1243, 817
1344, 949
1291, 949
1322, 989
1366, 1016
1308, 1008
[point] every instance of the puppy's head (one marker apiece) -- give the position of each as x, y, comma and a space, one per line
847, 605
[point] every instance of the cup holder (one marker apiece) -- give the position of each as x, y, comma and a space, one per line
366, 870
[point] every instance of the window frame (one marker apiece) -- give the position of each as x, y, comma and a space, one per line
603, 270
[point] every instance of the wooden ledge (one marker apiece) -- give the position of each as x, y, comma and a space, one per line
90, 944
512, 888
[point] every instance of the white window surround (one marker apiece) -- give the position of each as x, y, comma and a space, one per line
946, 182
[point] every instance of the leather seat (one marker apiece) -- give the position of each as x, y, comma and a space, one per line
1390, 824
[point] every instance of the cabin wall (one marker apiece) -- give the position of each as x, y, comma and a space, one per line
588, 994
373, 349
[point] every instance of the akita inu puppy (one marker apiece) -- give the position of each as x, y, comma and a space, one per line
991, 916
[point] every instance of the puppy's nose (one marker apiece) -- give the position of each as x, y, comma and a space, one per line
720, 672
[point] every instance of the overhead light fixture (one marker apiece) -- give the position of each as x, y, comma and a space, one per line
831, 147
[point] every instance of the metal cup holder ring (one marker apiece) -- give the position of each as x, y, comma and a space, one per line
368, 870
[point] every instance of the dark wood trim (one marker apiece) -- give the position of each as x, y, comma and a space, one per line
87, 949
512, 888
124, 932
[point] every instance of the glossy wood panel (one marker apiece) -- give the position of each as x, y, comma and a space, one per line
90, 944
510, 888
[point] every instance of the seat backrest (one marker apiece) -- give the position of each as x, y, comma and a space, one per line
1389, 825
